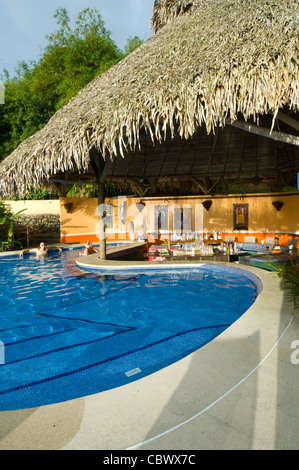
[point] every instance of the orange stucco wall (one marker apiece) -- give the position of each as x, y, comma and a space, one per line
80, 224
263, 218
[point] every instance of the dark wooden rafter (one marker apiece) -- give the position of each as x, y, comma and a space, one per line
132, 159
164, 158
214, 184
203, 187
199, 175
227, 150
177, 160
61, 189
61, 180
199, 185
213, 150
258, 153
244, 134
179, 157
276, 162
150, 186
148, 158
285, 154
195, 154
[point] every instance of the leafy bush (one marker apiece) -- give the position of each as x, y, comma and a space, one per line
4, 211
79, 190
37, 194
289, 273
7, 220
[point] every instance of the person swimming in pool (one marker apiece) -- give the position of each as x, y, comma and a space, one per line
41, 251
89, 249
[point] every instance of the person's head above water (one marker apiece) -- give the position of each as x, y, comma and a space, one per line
42, 250
89, 249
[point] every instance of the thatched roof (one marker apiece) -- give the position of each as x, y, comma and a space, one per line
167, 10
211, 62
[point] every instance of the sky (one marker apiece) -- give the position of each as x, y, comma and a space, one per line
24, 24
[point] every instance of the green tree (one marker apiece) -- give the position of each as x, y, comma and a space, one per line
24, 112
72, 58
132, 44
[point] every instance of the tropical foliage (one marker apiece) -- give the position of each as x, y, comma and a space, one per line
4, 211
8, 220
288, 272
72, 58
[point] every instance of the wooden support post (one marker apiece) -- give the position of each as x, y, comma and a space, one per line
103, 169
102, 234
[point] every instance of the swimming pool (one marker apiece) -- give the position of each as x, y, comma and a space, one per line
69, 333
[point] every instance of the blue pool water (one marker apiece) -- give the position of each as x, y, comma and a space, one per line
67, 333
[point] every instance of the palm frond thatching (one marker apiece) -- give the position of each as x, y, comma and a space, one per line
167, 10
220, 59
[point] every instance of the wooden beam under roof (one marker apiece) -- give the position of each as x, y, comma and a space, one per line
287, 120
59, 179
264, 132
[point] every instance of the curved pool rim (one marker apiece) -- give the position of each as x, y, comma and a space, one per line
129, 267
95, 265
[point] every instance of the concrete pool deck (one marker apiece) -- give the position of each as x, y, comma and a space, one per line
238, 392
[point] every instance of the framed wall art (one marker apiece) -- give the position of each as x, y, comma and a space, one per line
240, 216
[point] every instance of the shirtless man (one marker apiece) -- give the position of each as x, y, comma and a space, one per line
41, 251
89, 249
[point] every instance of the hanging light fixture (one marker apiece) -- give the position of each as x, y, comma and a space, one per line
278, 205
207, 205
68, 206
